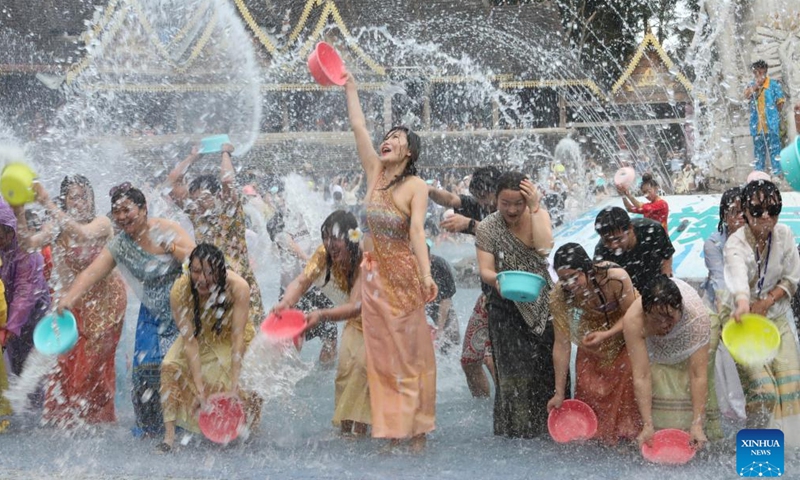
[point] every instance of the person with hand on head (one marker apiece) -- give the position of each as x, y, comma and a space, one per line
518, 236
334, 268
149, 252
469, 210
672, 340
210, 305
762, 270
396, 283
656, 209
597, 295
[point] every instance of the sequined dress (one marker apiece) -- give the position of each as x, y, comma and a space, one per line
401, 367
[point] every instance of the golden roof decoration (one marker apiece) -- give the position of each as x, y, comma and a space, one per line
115, 16
329, 12
586, 82
650, 40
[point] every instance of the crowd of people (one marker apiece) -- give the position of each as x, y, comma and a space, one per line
647, 342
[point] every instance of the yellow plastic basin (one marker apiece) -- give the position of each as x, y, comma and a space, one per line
16, 184
754, 341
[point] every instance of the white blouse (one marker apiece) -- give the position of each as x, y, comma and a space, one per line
751, 275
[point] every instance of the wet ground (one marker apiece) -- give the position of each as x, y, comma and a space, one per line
298, 441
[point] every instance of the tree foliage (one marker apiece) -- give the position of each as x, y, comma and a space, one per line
605, 33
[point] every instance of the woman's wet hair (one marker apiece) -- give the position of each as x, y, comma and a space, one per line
765, 193
208, 253
414, 149
509, 181
338, 225
728, 200
79, 181
484, 180
206, 182
127, 192
649, 181
572, 256
610, 220
661, 293
759, 65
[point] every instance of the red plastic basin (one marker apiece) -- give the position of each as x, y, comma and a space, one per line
221, 418
285, 325
326, 65
575, 420
670, 447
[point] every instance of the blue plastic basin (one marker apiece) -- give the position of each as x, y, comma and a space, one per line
56, 334
790, 163
213, 144
520, 286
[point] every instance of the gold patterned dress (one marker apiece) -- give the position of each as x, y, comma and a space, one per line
351, 400
604, 375
178, 390
81, 388
401, 366
226, 231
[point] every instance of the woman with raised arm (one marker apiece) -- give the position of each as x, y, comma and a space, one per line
149, 253
81, 388
396, 285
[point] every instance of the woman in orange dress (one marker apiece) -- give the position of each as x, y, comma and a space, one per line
81, 388
396, 285
597, 295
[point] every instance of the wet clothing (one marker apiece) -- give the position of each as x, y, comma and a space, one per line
521, 335
471, 208
765, 121
178, 390
5, 405
772, 391
351, 400
476, 337
669, 366
658, 211
730, 395
643, 261
226, 230
83, 384
401, 366
26, 291
442, 275
477, 345
152, 277
604, 376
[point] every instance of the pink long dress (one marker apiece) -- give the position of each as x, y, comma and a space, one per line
401, 367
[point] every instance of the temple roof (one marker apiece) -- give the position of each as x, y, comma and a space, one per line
443, 38
520, 46
651, 76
